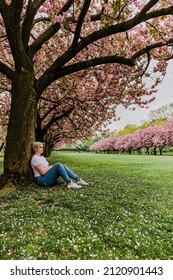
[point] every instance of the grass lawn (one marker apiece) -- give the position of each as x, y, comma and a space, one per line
126, 212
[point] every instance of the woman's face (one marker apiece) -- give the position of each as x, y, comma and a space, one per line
39, 149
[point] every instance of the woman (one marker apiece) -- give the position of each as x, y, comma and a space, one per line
47, 176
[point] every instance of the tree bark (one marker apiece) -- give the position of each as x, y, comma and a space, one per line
21, 129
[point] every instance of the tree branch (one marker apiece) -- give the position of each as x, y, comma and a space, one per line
3, 7
102, 33
66, 6
151, 47
147, 7
55, 119
52, 30
11, 16
31, 11
44, 81
48, 34
58, 70
81, 18
161, 12
4, 69
50, 77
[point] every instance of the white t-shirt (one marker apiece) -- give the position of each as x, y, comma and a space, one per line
35, 160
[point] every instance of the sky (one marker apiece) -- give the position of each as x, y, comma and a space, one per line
164, 96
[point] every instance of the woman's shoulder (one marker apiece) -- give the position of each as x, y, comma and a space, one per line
35, 158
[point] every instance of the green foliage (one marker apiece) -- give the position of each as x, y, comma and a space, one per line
157, 122
133, 128
87, 143
126, 212
83, 145
128, 129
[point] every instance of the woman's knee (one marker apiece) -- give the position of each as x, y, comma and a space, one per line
59, 165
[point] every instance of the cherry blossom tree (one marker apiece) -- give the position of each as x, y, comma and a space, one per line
159, 141
43, 41
168, 133
145, 137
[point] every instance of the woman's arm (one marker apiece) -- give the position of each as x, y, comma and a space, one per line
42, 170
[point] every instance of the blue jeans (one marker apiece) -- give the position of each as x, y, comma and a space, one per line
54, 172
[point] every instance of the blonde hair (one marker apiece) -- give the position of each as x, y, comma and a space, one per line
36, 145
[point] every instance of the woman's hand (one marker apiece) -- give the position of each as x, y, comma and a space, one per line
42, 170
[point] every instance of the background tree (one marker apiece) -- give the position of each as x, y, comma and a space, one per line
45, 40
163, 113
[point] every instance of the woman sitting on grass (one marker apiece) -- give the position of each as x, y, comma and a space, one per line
47, 176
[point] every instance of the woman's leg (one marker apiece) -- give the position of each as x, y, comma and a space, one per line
70, 173
58, 170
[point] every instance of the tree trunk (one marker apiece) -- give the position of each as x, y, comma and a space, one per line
154, 151
47, 147
2, 145
21, 129
39, 134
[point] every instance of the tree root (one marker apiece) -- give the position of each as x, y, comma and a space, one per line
6, 184
14, 181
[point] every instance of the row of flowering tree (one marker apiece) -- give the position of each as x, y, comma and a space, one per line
150, 138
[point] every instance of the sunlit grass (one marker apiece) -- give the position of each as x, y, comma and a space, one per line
126, 212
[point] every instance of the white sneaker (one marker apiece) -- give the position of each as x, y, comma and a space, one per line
73, 186
82, 182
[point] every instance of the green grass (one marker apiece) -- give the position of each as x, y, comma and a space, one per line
126, 212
